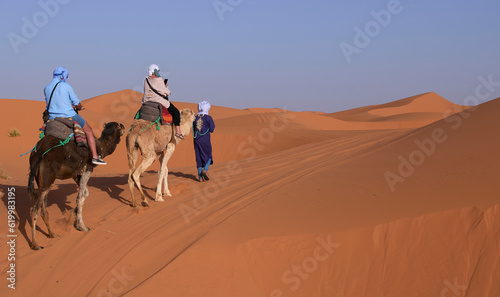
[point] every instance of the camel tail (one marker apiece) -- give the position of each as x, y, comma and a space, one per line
132, 147
31, 179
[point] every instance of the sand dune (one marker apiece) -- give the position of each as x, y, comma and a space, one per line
412, 112
383, 259
386, 200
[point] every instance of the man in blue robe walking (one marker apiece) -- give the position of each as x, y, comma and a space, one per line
203, 126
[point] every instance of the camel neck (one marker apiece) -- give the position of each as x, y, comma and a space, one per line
185, 127
106, 145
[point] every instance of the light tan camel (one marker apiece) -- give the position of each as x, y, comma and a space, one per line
152, 143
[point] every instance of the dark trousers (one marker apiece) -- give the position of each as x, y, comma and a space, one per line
176, 116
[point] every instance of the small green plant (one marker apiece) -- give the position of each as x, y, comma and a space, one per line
3, 174
14, 133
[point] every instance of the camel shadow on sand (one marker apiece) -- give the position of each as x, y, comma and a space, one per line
177, 174
58, 196
64, 197
184, 175
117, 186
110, 185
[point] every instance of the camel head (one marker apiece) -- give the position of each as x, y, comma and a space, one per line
187, 115
110, 138
112, 128
187, 119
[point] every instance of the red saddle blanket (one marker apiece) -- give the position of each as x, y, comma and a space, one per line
167, 117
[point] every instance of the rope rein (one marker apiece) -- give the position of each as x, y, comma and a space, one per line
28, 151
61, 143
157, 122
196, 134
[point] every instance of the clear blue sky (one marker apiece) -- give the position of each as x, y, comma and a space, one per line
273, 53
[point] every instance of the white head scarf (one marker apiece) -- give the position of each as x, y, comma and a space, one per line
152, 68
203, 107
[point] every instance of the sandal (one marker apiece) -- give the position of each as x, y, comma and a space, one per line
204, 175
179, 135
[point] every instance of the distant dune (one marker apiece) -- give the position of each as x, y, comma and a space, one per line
412, 112
397, 199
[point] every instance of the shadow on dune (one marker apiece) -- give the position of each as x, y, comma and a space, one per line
117, 186
176, 174
59, 196
184, 175
64, 196
110, 185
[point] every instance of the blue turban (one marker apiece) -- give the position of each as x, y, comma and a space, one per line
61, 72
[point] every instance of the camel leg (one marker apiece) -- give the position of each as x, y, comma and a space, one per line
83, 192
131, 186
132, 161
45, 216
147, 160
161, 174
34, 217
167, 154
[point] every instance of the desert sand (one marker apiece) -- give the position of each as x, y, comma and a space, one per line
397, 199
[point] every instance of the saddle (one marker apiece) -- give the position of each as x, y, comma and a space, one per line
151, 111
62, 128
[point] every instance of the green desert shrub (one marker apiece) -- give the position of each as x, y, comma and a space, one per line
14, 133
3, 174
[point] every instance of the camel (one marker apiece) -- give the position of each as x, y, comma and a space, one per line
63, 162
152, 143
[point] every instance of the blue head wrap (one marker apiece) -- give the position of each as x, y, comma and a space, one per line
61, 72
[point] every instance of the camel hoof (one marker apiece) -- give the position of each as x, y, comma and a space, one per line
84, 229
53, 235
36, 247
145, 204
167, 195
159, 199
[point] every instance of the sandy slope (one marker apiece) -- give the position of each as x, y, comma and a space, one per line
299, 204
412, 112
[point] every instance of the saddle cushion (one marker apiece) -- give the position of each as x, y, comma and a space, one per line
151, 111
57, 129
61, 128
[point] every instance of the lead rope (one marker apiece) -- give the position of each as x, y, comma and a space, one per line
40, 136
61, 143
157, 122
196, 134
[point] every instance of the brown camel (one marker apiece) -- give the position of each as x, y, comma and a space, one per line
152, 143
63, 162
